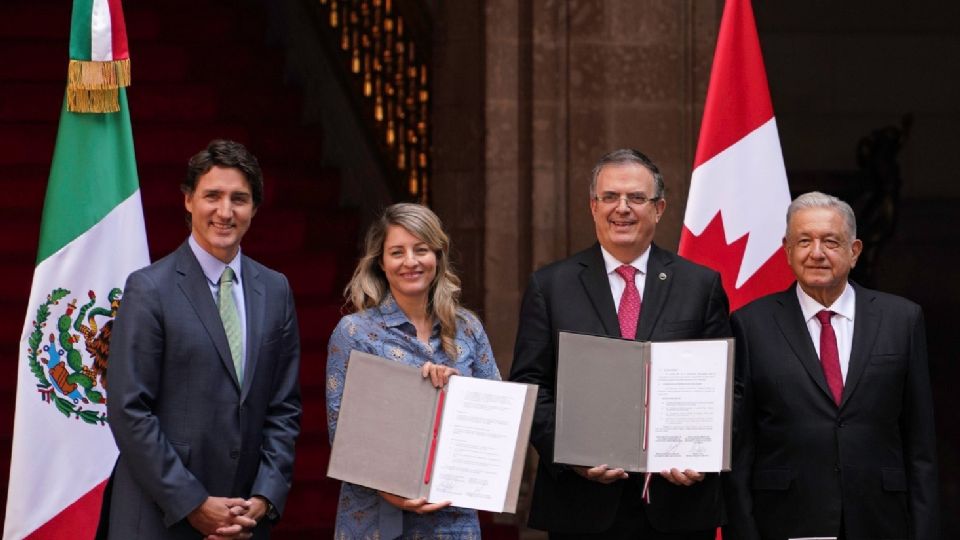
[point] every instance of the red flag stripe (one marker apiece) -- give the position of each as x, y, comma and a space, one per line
78, 521
118, 28
738, 99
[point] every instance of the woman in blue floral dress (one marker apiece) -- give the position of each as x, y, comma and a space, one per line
406, 302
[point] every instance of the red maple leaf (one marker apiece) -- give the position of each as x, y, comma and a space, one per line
712, 250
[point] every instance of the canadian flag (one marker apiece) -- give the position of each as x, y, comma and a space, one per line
736, 209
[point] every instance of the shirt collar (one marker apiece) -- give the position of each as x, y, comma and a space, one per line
391, 312
845, 305
611, 263
393, 316
213, 267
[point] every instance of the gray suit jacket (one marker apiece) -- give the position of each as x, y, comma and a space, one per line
805, 467
185, 428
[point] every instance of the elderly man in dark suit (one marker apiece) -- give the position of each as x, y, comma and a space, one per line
833, 429
204, 395
623, 286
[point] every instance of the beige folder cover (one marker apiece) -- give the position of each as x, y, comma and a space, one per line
600, 413
385, 429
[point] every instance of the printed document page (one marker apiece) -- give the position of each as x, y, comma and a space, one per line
477, 442
686, 414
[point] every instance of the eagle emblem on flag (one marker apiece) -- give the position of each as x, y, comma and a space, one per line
69, 358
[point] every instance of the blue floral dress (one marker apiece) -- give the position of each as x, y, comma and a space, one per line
385, 331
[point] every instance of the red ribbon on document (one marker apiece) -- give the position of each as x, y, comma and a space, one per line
645, 495
433, 442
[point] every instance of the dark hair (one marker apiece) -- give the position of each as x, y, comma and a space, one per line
228, 154
627, 155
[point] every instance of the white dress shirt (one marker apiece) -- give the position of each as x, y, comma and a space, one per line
844, 309
617, 285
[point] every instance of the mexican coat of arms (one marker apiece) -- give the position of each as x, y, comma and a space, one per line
69, 356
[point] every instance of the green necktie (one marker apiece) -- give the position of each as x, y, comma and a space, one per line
231, 320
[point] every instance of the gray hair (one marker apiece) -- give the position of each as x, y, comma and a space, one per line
816, 199
621, 157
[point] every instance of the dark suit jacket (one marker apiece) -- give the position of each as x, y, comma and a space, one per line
800, 462
574, 294
184, 427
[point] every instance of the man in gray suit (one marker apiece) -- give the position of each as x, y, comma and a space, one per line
204, 396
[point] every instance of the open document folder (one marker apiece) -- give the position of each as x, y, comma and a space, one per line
644, 406
397, 433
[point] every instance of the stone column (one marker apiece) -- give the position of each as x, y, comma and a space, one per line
508, 164
457, 192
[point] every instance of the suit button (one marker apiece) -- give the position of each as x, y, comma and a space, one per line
841, 424
836, 469
234, 454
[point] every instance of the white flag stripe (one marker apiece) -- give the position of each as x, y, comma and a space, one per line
46, 473
755, 165
101, 32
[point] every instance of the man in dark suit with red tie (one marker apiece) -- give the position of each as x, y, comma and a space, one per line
623, 286
833, 423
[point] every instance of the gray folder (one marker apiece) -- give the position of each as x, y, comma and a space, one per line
385, 429
600, 415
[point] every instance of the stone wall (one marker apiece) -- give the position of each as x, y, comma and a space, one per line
567, 82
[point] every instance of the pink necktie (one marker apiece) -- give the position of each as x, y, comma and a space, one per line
830, 356
629, 312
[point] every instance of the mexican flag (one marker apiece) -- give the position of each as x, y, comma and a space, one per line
92, 235
737, 206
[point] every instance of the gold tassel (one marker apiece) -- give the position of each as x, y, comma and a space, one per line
92, 87
90, 75
93, 101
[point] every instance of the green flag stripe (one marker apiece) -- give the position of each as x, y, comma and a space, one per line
81, 38
93, 170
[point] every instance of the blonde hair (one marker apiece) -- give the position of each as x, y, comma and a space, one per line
368, 287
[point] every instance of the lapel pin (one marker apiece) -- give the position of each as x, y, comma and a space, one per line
662, 276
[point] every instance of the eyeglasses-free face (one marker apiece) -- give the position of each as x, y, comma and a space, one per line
820, 252
221, 208
409, 264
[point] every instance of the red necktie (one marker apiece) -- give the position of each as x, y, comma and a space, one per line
629, 312
830, 356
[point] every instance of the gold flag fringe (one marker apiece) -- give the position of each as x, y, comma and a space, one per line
90, 75
92, 87
93, 101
